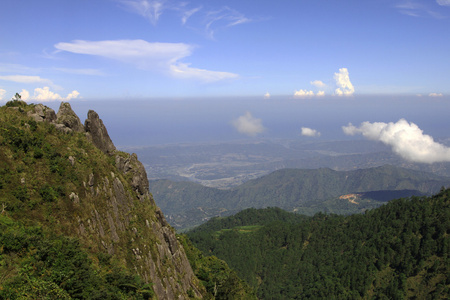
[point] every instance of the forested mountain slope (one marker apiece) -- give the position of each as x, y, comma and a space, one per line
77, 220
399, 250
303, 190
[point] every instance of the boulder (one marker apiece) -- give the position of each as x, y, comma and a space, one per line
43, 113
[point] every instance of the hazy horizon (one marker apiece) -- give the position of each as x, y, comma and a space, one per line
145, 122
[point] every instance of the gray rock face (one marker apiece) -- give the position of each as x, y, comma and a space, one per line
67, 117
97, 133
42, 113
131, 165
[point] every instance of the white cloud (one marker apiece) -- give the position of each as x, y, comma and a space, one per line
206, 20
25, 79
435, 95
162, 57
150, 9
181, 70
318, 84
139, 52
267, 95
189, 13
443, 2
45, 95
248, 125
25, 95
222, 18
406, 140
345, 87
414, 8
303, 93
320, 93
2, 93
310, 132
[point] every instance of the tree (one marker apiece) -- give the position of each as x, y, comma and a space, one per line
17, 97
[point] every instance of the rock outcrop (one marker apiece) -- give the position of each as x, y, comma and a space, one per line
42, 113
67, 117
97, 133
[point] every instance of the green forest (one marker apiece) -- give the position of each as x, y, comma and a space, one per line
400, 250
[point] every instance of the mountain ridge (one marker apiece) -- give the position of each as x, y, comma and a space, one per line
186, 204
68, 178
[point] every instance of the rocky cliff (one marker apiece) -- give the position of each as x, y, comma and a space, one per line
103, 196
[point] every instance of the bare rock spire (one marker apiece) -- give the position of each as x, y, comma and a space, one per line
96, 132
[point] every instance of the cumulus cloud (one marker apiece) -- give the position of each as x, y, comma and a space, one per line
2, 93
345, 87
303, 93
25, 95
248, 125
162, 57
267, 95
45, 95
318, 83
310, 132
435, 95
406, 139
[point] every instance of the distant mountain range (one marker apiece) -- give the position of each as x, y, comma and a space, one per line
304, 191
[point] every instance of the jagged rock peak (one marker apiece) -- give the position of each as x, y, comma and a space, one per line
97, 133
69, 118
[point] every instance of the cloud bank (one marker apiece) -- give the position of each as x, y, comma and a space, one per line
406, 139
2, 93
248, 125
162, 57
310, 132
45, 95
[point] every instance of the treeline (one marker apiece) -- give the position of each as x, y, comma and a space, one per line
400, 250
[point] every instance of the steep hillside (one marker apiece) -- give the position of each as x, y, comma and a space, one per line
303, 190
397, 251
62, 182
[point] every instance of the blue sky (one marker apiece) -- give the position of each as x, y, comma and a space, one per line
107, 49
166, 71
